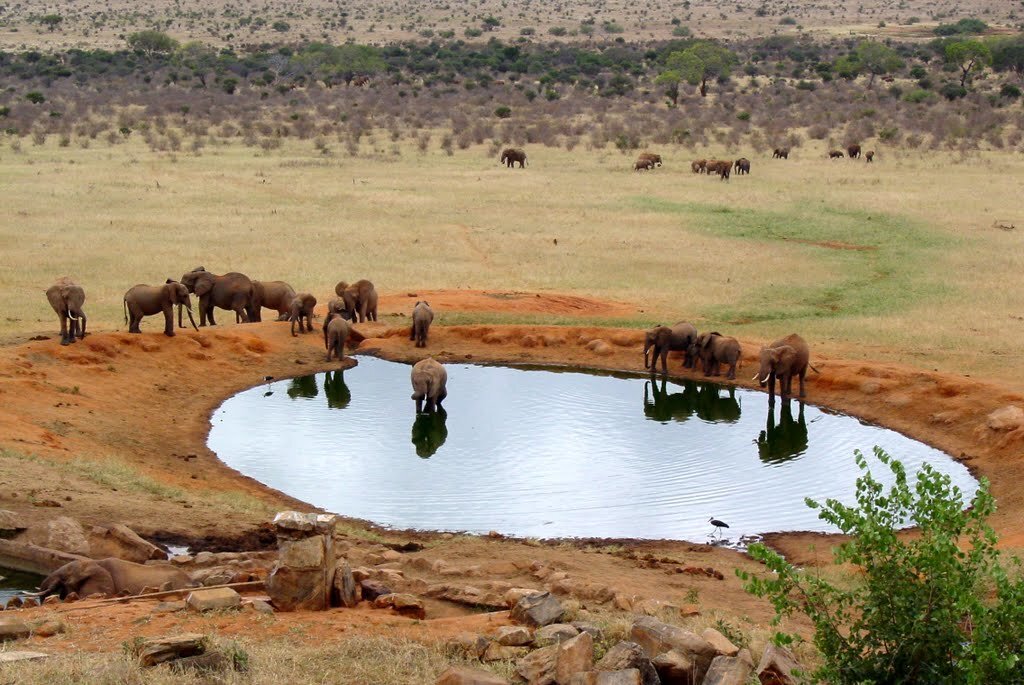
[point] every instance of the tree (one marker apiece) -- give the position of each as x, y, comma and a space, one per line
152, 43
51, 21
671, 80
198, 58
970, 56
877, 59
1008, 55
935, 607
700, 62
848, 67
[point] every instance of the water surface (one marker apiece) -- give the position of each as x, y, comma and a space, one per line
13, 582
545, 453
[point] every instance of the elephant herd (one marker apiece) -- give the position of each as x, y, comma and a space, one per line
853, 152
782, 359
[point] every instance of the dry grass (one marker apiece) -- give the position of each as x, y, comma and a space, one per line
756, 256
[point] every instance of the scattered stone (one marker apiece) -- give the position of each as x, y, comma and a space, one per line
574, 656
1005, 419
654, 607
472, 644
463, 675
730, 670
554, 633
157, 650
584, 627
496, 652
627, 677
260, 607
221, 577
538, 667
344, 591
721, 644
600, 347
538, 609
12, 628
656, 638
513, 636
118, 540
675, 668
219, 598
71, 597
372, 589
778, 667
51, 599
629, 656
49, 628
170, 607
13, 657
14, 603
11, 523
404, 604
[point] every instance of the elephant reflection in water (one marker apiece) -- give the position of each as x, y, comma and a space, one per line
783, 441
303, 386
338, 394
429, 432
701, 399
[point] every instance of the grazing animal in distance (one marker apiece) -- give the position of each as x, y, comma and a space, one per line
853, 151
742, 166
422, 317
780, 153
869, 156
511, 155
835, 154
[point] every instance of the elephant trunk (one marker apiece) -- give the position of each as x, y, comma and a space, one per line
180, 324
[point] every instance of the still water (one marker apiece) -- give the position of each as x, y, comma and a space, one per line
13, 582
543, 453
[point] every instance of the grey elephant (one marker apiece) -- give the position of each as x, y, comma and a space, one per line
784, 358
780, 153
360, 299
336, 305
67, 298
664, 339
112, 576
422, 317
511, 155
653, 157
336, 331
146, 300
301, 309
233, 291
742, 166
276, 295
430, 383
714, 349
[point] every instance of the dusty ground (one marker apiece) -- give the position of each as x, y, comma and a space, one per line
114, 428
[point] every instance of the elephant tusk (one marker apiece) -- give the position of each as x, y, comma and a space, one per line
755, 377
190, 319
766, 378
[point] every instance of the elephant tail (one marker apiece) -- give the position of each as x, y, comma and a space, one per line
814, 369
124, 303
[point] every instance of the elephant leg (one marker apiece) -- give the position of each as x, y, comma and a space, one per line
803, 391
771, 388
440, 397
133, 327
732, 371
169, 320
240, 314
664, 359
63, 328
81, 326
419, 405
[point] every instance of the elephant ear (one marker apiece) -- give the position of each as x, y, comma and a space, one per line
204, 285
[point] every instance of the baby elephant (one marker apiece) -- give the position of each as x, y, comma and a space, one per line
302, 308
146, 300
66, 297
422, 317
428, 382
336, 330
715, 349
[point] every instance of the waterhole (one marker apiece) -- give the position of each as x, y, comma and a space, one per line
13, 582
551, 453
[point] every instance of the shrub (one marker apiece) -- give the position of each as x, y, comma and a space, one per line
961, 27
35, 97
918, 95
1009, 91
952, 91
281, 26
787, 21
5, 111
503, 112
558, 31
743, 116
806, 85
681, 31
472, 32
917, 610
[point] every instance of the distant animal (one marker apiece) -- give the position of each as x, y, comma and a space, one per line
715, 349
698, 166
780, 153
233, 291
511, 155
301, 309
869, 156
853, 151
784, 358
112, 576
336, 331
722, 167
429, 382
360, 300
719, 525
422, 317
742, 166
653, 157
276, 295
663, 339
67, 298
145, 300
643, 165
835, 154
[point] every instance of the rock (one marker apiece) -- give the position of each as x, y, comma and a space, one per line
213, 661
538, 609
392, 555
157, 650
220, 598
16, 656
656, 638
344, 591
62, 533
538, 667
49, 628
721, 644
729, 670
584, 627
302, 554
624, 602
600, 347
472, 644
463, 675
71, 597
219, 577
260, 607
554, 633
629, 655
11, 523
405, 604
117, 540
676, 668
575, 655
654, 607
13, 603
513, 636
777, 667
629, 676
496, 652
169, 607
292, 589
12, 628
51, 599
305, 523
372, 589
1005, 418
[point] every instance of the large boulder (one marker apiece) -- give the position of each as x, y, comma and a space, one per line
513, 636
303, 577
627, 677
12, 628
720, 643
778, 666
344, 592
539, 609
117, 540
538, 667
574, 656
629, 655
554, 633
730, 670
63, 533
11, 523
216, 598
656, 638
463, 675
675, 668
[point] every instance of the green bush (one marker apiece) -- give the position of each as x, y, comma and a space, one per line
503, 112
952, 90
961, 27
558, 31
743, 116
35, 97
935, 607
1009, 91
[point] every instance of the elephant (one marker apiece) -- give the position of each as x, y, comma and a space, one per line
654, 158
336, 330
67, 297
853, 151
869, 156
336, 390
783, 441
721, 167
336, 305
699, 166
233, 291
360, 299
664, 339
784, 358
663, 406
715, 349
780, 153
429, 382
276, 295
643, 165
429, 431
112, 576
422, 317
511, 155
302, 308
742, 166
145, 300
836, 154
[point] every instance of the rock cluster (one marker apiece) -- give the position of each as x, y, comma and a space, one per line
303, 577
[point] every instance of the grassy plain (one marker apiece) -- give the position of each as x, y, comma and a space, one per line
902, 260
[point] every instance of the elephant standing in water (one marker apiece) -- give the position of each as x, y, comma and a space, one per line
429, 431
430, 383
663, 339
336, 390
67, 297
783, 441
663, 406
784, 358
